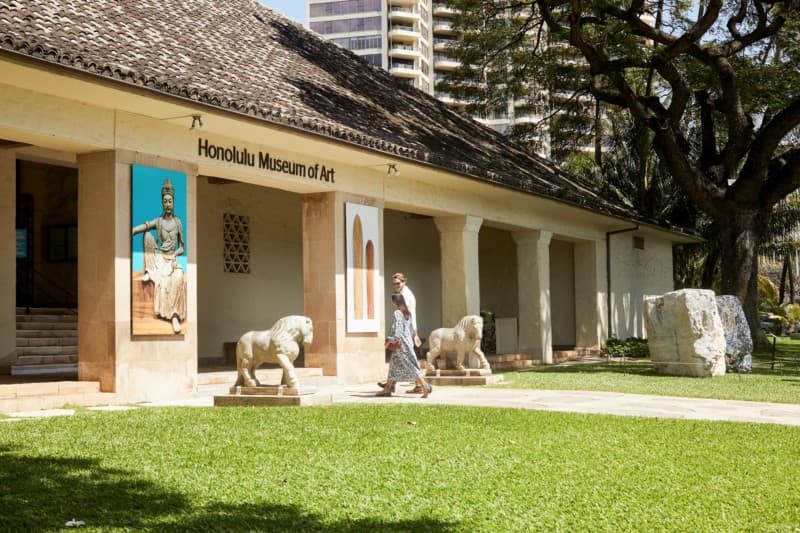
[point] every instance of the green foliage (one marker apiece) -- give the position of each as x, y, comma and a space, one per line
506, 53
394, 468
630, 347
716, 103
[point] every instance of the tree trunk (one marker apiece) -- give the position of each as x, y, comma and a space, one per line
709, 274
784, 272
739, 241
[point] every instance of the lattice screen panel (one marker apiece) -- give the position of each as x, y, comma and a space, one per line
236, 236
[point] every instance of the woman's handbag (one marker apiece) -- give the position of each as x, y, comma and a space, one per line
389, 345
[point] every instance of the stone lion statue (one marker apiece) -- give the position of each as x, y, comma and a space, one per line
281, 345
463, 339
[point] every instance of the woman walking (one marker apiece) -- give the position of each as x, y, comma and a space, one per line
403, 366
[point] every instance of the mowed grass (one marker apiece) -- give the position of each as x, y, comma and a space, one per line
638, 377
395, 468
765, 384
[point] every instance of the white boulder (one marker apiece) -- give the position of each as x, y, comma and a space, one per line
685, 334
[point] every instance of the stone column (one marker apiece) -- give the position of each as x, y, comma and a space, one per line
323, 257
461, 289
590, 294
352, 357
533, 283
8, 268
97, 289
141, 368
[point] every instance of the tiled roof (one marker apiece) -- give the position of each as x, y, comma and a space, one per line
240, 56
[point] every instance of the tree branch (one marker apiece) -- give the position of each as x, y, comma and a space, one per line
767, 139
784, 177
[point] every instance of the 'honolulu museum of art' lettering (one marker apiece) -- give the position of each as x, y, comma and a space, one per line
263, 160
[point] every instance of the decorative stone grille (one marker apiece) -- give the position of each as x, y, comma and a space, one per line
236, 236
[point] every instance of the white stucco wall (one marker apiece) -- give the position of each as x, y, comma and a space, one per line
562, 293
636, 274
231, 304
411, 246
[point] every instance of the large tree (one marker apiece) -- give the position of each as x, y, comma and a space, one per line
721, 99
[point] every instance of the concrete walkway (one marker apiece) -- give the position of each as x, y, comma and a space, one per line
611, 403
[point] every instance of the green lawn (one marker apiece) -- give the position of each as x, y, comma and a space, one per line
781, 384
395, 468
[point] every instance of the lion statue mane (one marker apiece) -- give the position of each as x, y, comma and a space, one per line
280, 345
463, 339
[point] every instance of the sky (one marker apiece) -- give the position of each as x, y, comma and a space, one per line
294, 9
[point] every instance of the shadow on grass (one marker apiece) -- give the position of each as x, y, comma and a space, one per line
43, 493
290, 518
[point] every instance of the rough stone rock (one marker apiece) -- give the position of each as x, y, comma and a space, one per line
738, 342
684, 333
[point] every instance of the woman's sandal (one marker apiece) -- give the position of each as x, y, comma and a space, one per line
428, 390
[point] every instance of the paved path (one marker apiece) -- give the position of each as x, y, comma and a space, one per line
612, 403
545, 400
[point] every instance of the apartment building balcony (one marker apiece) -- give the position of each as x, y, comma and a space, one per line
449, 99
403, 32
445, 63
443, 27
403, 2
404, 51
442, 9
440, 45
405, 70
403, 15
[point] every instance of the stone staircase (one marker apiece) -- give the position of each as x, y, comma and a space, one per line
225, 377
20, 397
511, 361
517, 361
47, 342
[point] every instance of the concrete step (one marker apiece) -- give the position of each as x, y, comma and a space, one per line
46, 311
559, 356
40, 333
44, 326
514, 365
41, 359
25, 342
20, 397
307, 376
48, 350
46, 369
47, 318
502, 358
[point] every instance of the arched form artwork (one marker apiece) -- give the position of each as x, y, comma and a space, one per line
358, 268
370, 271
362, 245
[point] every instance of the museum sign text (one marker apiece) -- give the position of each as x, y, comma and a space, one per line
264, 161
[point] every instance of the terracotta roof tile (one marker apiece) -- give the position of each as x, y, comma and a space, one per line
239, 55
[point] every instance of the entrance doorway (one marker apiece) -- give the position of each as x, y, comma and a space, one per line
46, 270
47, 235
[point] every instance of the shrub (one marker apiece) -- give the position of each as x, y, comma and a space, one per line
630, 347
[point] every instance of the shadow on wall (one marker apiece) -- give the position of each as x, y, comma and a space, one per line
628, 316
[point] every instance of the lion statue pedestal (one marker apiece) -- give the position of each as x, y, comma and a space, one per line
281, 345
463, 340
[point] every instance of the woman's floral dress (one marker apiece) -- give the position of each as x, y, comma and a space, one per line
403, 365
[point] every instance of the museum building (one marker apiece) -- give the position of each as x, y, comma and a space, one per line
179, 173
